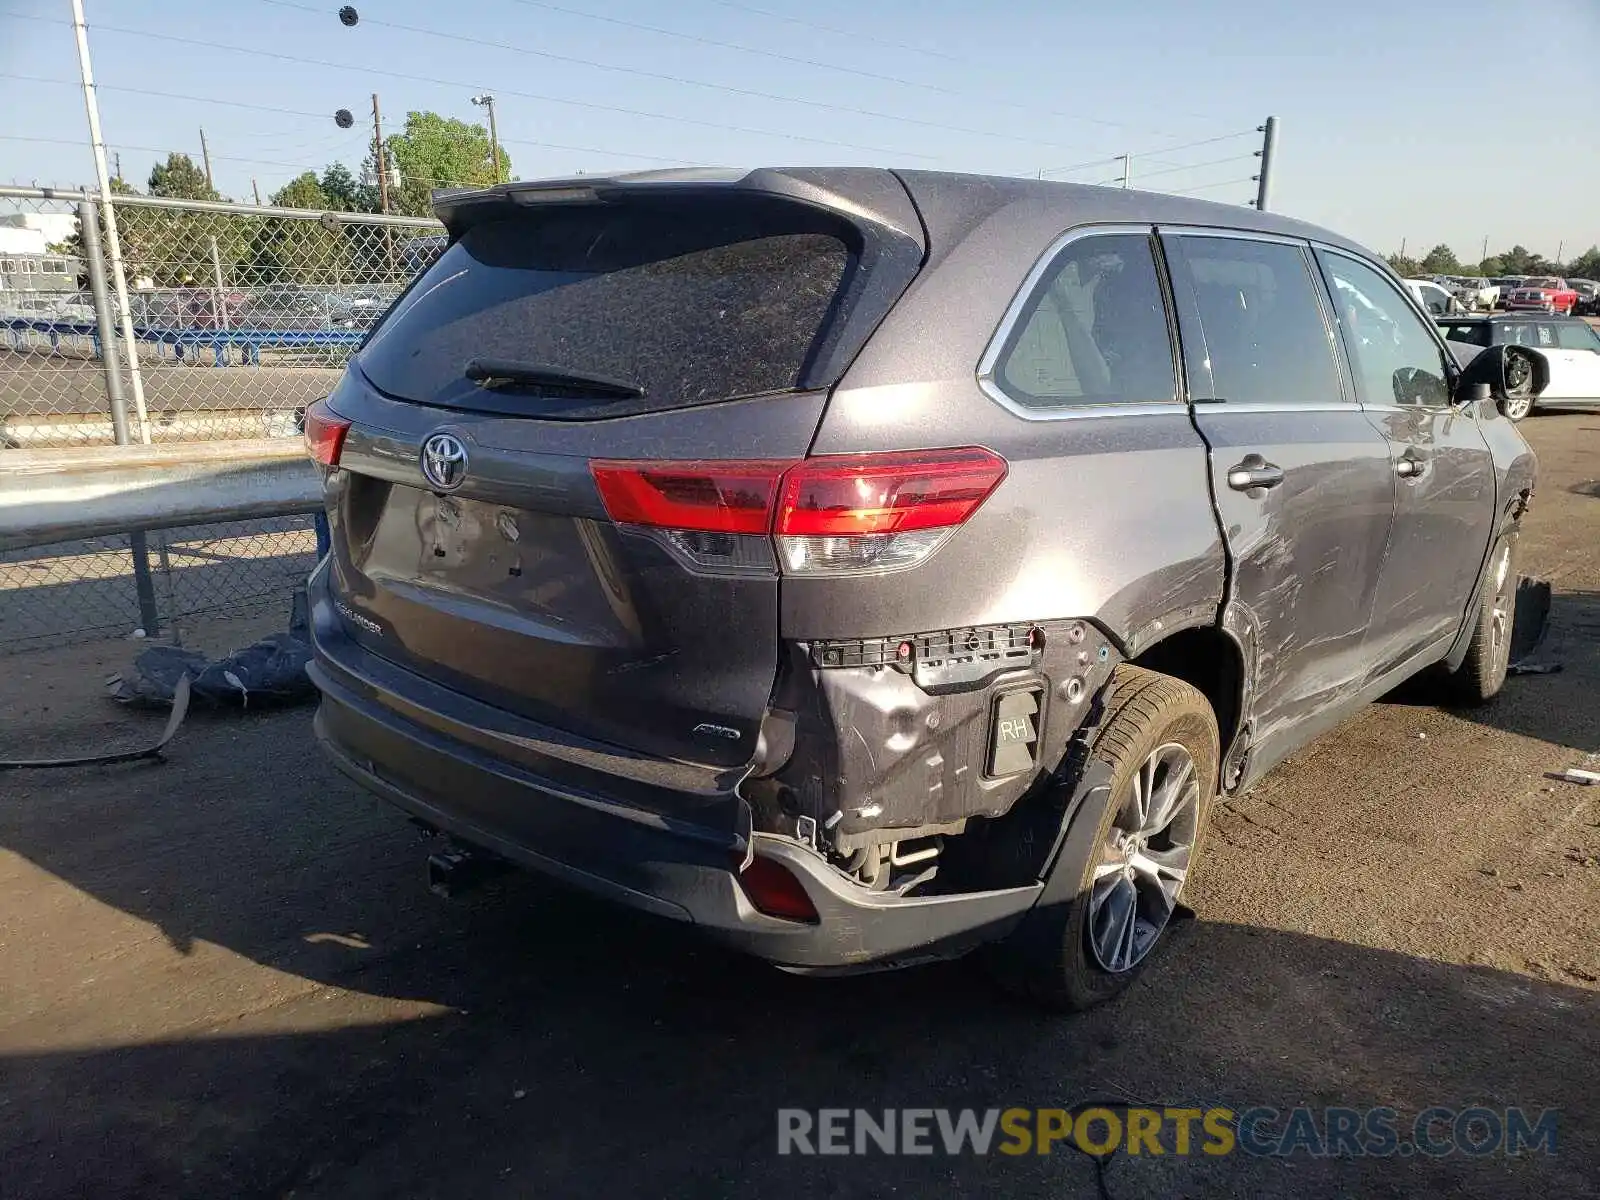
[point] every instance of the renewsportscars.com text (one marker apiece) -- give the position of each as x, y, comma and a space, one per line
1261, 1132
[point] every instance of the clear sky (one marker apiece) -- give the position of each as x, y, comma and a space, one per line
1400, 119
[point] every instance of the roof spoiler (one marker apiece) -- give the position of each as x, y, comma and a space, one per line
866, 196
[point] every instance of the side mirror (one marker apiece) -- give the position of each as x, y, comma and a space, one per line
1505, 370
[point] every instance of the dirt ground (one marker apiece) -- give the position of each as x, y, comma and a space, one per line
223, 976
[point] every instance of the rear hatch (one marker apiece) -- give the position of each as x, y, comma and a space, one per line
595, 330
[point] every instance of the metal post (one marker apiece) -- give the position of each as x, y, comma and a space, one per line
205, 154
89, 225
1269, 144
1127, 170
379, 158
113, 243
216, 275
487, 101
143, 585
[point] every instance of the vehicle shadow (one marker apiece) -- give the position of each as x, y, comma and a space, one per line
1556, 707
528, 1040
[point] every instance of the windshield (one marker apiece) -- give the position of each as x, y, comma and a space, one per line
692, 304
1543, 282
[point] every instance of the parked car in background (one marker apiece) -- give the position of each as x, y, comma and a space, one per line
1544, 292
1588, 304
1570, 345
1505, 283
1435, 300
1476, 294
636, 581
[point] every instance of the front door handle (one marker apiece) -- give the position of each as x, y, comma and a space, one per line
1254, 472
1410, 466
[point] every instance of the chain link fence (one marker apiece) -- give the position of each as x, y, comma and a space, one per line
237, 318
240, 316
95, 587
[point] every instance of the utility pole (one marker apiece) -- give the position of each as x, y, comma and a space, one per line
487, 101
119, 164
113, 243
205, 153
256, 188
1269, 144
1485, 253
1127, 169
1560, 246
379, 157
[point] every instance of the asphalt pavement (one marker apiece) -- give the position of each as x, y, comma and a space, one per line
223, 976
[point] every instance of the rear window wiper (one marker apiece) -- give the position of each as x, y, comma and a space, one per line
496, 373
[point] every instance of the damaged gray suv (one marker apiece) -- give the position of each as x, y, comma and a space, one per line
866, 566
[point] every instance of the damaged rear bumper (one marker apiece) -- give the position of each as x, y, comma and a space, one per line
673, 854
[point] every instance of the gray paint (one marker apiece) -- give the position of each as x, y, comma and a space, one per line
1118, 520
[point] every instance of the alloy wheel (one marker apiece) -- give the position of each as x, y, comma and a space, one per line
1503, 606
1145, 859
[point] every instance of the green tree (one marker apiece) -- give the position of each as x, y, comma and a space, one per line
1441, 260
1519, 260
1586, 265
303, 191
179, 179
1492, 267
435, 152
345, 192
1403, 266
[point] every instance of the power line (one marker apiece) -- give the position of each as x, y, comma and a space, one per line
1032, 109
301, 166
1210, 141
685, 81
1215, 162
111, 87
852, 34
337, 139
257, 52
1205, 186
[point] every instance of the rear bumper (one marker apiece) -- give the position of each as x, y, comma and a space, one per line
674, 860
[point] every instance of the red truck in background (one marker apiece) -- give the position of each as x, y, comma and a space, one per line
1544, 292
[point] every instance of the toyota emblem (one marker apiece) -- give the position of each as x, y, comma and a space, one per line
444, 461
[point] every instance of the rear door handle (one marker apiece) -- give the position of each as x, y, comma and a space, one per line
1254, 472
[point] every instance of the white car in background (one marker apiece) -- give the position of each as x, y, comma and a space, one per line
1435, 300
1569, 344
1474, 294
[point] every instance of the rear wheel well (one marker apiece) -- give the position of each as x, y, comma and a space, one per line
1209, 660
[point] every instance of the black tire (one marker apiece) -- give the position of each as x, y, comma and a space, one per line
1482, 673
1048, 960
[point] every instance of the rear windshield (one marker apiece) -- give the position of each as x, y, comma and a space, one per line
690, 304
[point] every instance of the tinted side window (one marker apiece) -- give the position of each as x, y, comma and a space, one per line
1093, 332
1395, 357
1574, 336
1264, 334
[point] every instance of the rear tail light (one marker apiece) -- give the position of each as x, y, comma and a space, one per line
710, 497
878, 511
829, 515
324, 433
774, 890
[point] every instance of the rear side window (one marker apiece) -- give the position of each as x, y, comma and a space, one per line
1263, 330
1475, 332
1573, 336
690, 304
1093, 332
